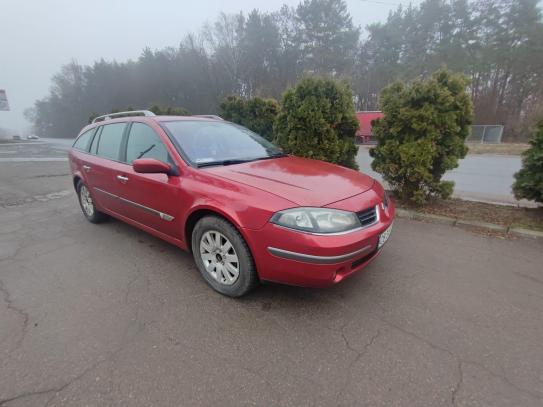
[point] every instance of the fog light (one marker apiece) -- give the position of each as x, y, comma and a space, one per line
338, 274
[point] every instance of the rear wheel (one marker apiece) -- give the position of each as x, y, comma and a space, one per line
223, 257
87, 204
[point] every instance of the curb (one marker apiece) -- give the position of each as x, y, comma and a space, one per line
491, 227
531, 234
483, 225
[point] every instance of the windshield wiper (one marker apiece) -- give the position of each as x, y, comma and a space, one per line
232, 161
276, 155
225, 162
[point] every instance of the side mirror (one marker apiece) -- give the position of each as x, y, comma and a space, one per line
151, 166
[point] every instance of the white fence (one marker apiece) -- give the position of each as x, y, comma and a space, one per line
485, 134
480, 133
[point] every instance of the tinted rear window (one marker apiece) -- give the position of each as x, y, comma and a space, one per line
110, 141
82, 143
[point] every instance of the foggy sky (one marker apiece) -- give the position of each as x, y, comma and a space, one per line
37, 37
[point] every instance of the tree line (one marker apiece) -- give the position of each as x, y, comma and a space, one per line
497, 44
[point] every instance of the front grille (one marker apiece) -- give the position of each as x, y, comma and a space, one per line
367, 216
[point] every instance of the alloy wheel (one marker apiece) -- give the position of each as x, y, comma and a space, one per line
219, 257
86, 201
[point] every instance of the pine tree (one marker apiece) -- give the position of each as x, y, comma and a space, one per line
256, 114
529, 180
327, 36
422, 135
317, 121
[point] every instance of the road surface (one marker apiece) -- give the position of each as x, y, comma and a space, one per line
478, 177
106, 315
35, 150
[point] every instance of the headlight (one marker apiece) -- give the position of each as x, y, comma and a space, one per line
316, 220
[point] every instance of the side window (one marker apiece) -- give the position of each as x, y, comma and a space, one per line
82, 142
110, 141
143, 142
94, 144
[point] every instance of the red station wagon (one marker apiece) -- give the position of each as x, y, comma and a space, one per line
246, 211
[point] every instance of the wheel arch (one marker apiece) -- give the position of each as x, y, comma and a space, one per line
76, 180
201, 212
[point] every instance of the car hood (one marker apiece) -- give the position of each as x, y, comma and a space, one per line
302, 181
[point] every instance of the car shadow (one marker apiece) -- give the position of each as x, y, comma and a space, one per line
267, 293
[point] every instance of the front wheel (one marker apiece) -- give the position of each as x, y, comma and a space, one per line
223, 257
87, 204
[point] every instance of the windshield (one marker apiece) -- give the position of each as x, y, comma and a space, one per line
219, 143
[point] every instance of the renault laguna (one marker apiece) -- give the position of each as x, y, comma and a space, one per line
245, 210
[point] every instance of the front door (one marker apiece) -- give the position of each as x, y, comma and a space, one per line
153, 200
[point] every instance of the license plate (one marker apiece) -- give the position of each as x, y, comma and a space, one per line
383, 237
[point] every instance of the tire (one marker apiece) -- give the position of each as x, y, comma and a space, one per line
221, 275
86, 203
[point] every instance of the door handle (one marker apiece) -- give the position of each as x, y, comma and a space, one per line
122, 179
86, 168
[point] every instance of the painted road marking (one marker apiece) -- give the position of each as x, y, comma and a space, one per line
31, 159
30, 143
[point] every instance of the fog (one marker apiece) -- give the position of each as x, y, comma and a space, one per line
37, 37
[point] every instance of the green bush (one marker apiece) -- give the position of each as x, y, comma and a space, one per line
317, 121
169, 110
529, 180
422, 135
256, 114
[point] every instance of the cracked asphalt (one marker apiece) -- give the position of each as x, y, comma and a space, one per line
105, 315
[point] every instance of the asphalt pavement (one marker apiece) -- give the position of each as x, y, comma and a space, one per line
106, 315
479, 177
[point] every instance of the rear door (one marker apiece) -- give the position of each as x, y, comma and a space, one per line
79, 154
102, 164
153, 200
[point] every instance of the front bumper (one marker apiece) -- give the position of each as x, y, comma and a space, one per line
286, 256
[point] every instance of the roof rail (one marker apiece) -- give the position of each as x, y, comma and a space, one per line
208, 116
123, 114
